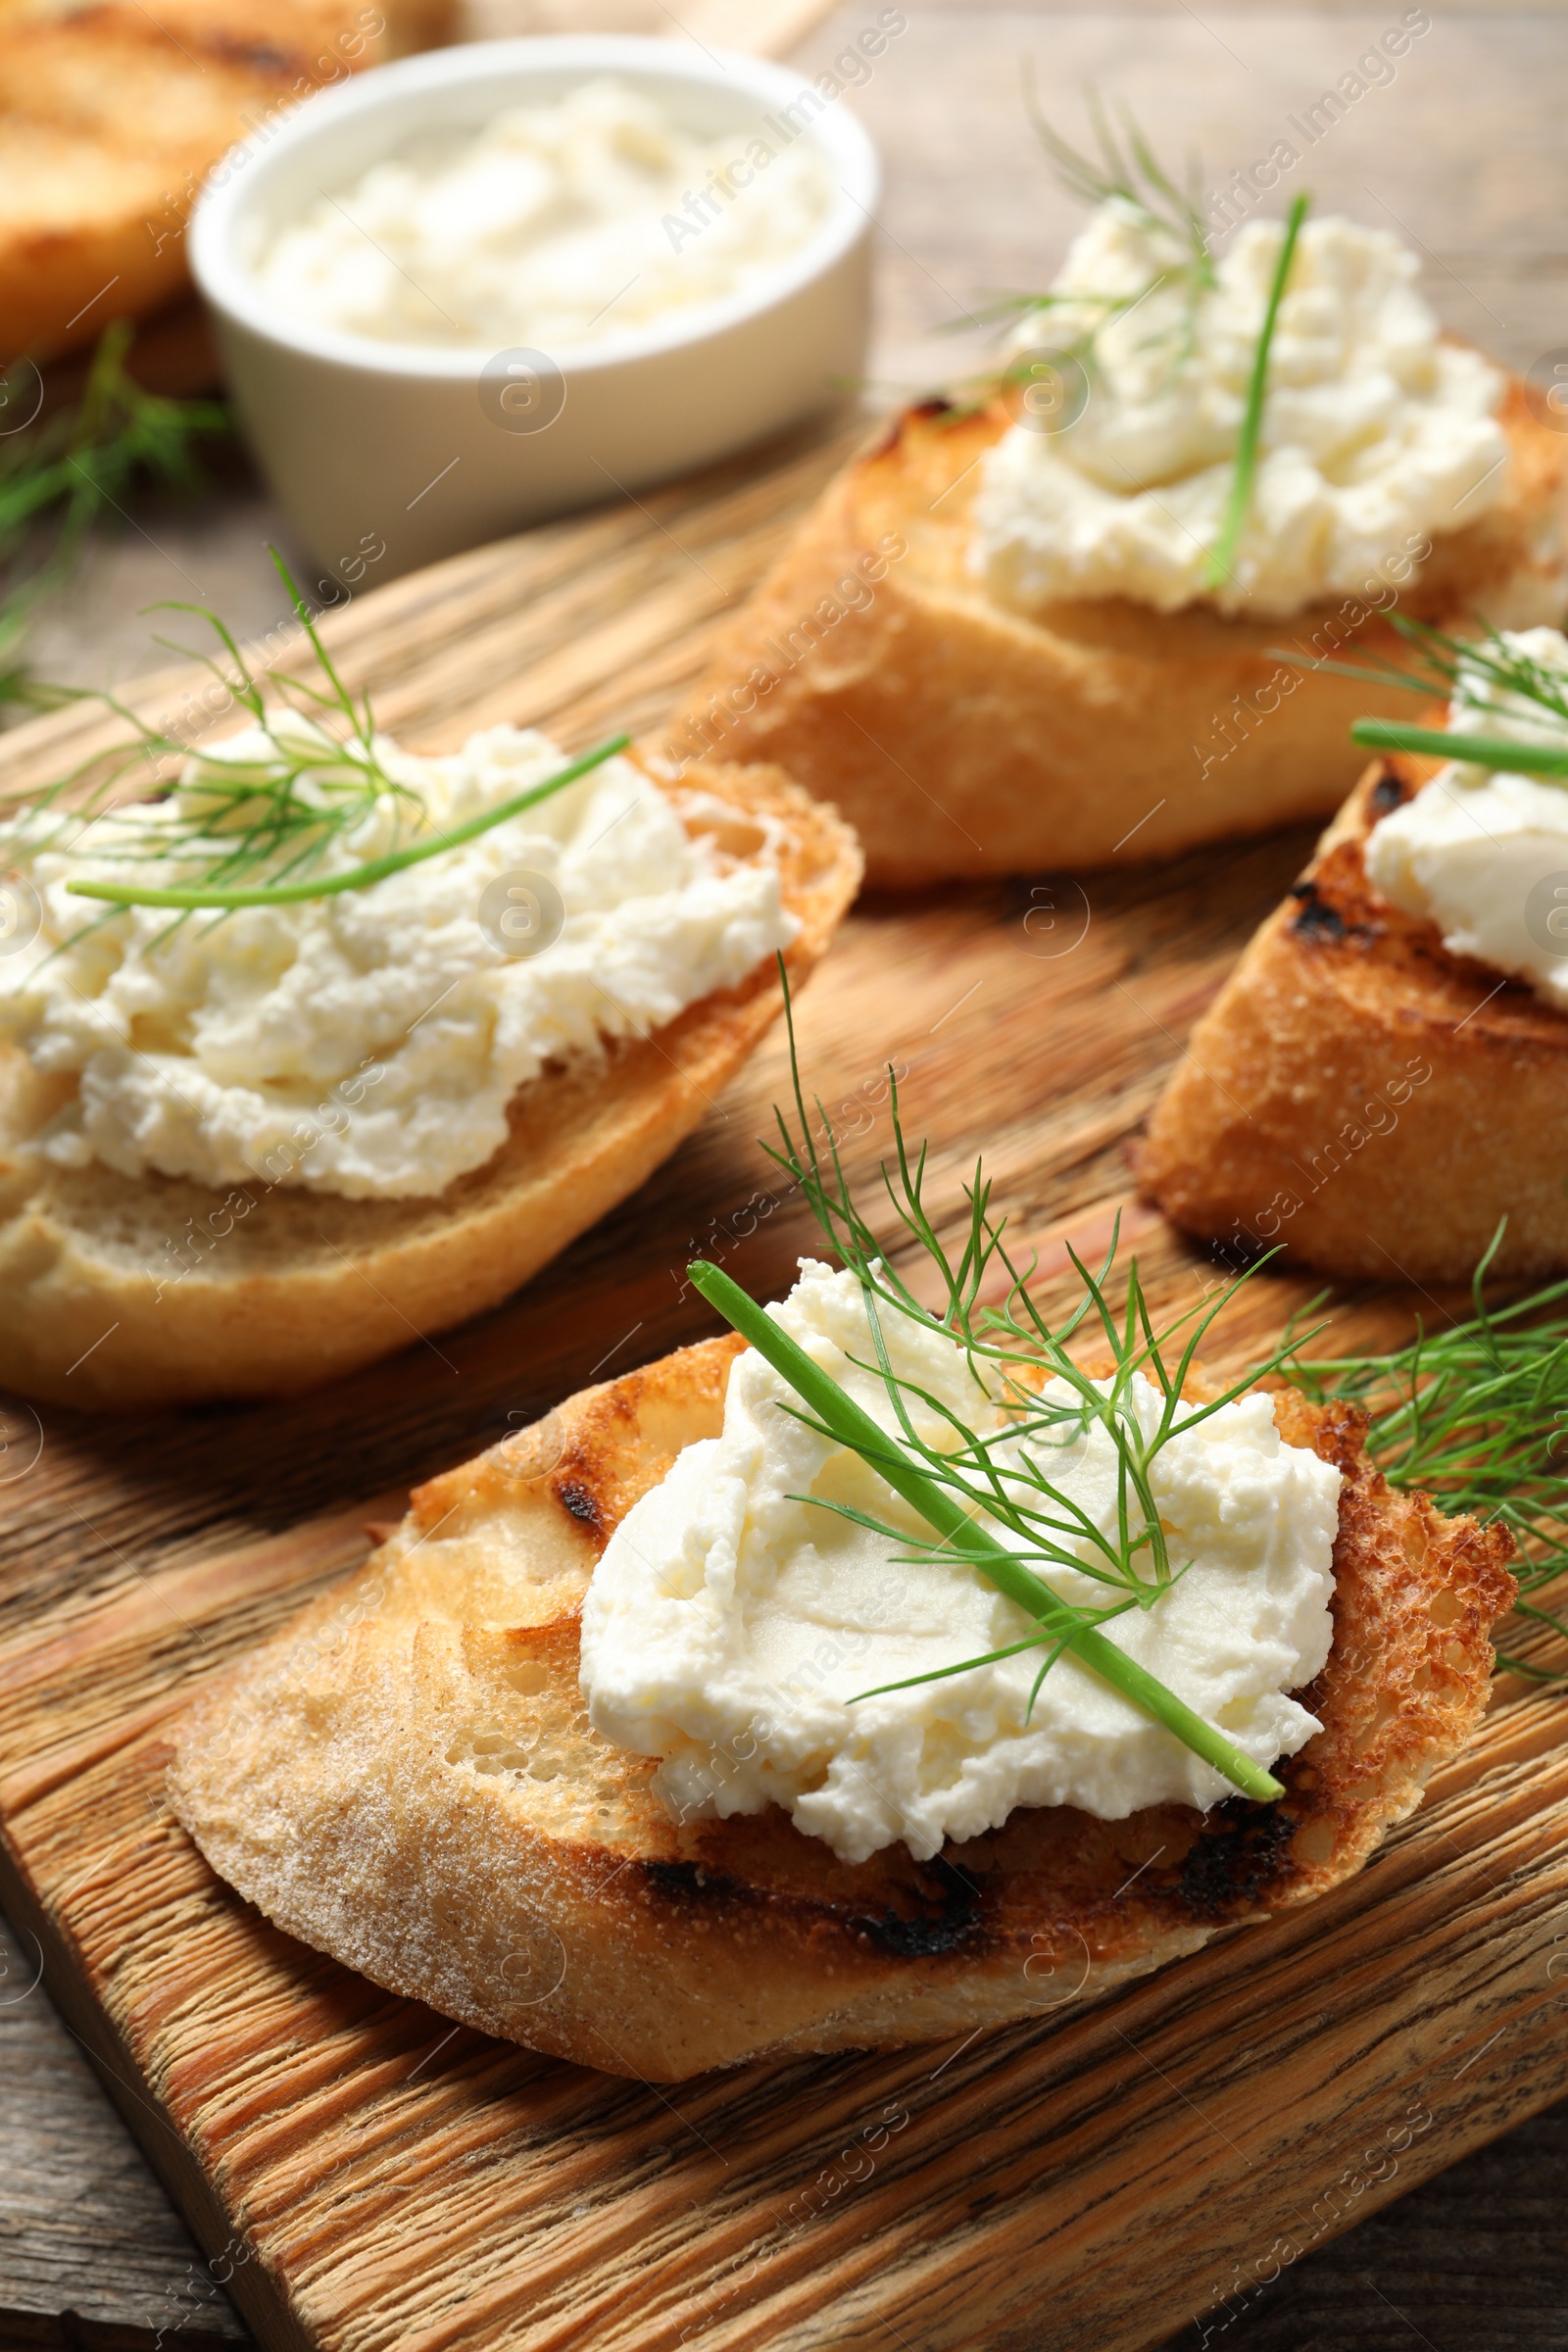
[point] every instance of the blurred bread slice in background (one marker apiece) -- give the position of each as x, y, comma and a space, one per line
112, 115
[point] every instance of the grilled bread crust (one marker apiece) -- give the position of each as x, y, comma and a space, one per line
407, 1780
120, 1292
1361, 1097
961, 738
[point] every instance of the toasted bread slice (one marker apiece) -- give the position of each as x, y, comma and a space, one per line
407, 1779
118, 1291
961, 738
1359, 1095
112, 115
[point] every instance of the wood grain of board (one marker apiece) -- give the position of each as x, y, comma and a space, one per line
362, 2174
86, 2229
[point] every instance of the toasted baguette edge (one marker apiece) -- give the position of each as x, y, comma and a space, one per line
118, 1292
406, 1778
1363, 1098
961, 739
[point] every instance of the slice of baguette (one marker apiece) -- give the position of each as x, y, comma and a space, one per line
119, 1292
112, 115
961, 738
407, 1780
1362, 1098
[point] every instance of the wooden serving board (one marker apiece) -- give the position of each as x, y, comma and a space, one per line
367, 2176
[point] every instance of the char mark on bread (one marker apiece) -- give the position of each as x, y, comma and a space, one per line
1316, 918
580, 1504
1389, 791
953, 1920
1239, 1858
930, 1909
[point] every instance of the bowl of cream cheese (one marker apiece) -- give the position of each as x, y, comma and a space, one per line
491, 284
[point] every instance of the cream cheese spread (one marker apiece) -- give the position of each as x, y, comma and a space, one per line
1375, 433
555, 226
368, 1043
730, 1627
1484, 854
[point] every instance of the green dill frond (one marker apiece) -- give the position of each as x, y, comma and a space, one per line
1442, 664
1033, 1399
1122, 168
278, 815
60, 476
1502, 666
1127, 171
1477, 1416
1455, 667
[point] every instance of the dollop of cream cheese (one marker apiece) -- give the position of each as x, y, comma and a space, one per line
367, 1044
731, 1627
1481, 853
1375, 433
552, 227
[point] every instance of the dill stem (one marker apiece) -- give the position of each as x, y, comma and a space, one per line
1220, 555
942, 1511
358, 877
1476, 751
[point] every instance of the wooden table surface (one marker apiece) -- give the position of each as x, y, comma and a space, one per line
1462, 151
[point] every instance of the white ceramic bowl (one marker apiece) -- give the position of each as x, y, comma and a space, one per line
417, 447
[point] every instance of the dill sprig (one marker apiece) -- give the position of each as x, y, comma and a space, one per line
1023, 1366
279, 814
372, 869
75, 466
1126, 169
1127, 172
1455, 664
1477, 1415
947, 1501
1222, 554
1446, 664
